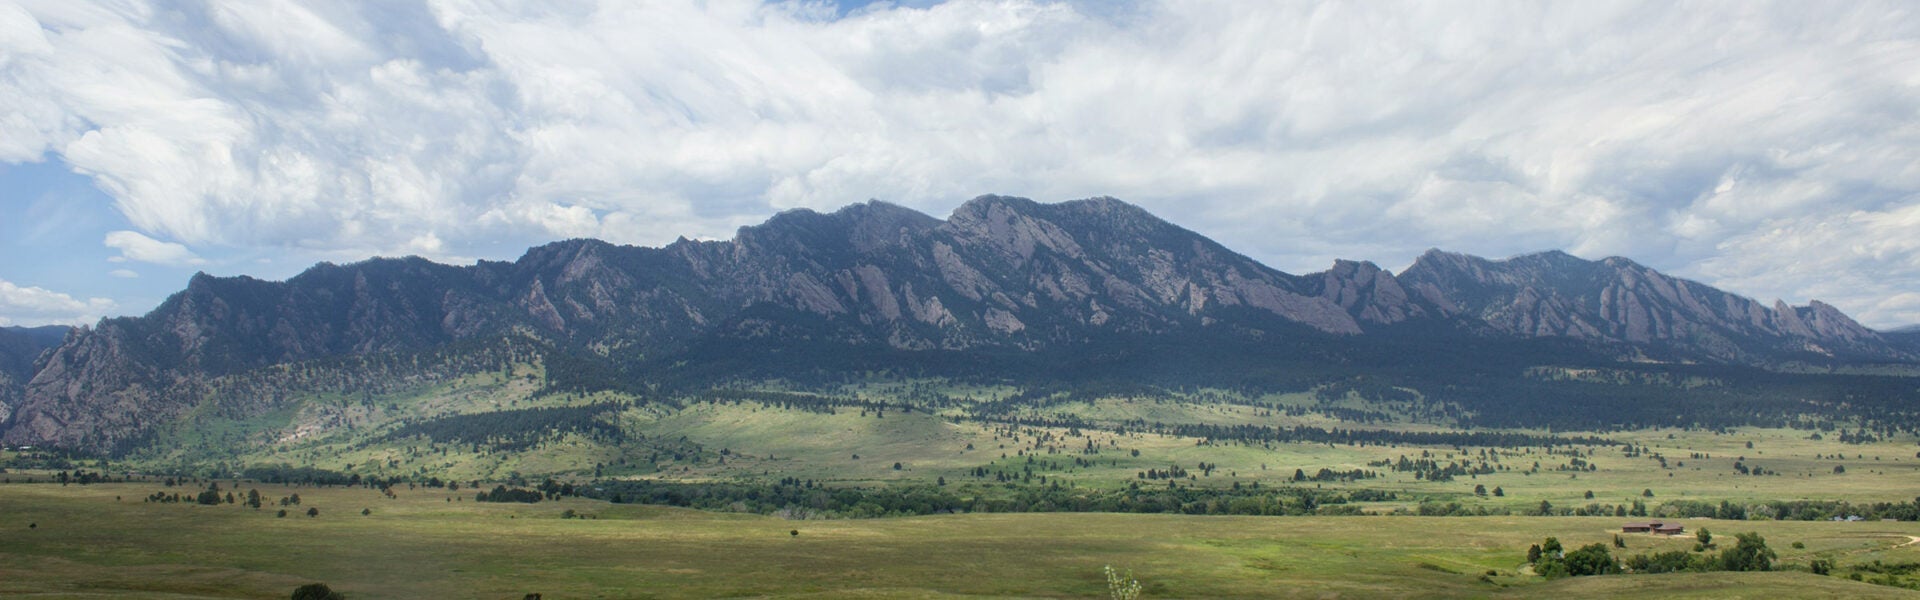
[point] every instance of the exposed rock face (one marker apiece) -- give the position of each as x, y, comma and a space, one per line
1000, 272
1617, 300
1371, 294
20, 347
104, 391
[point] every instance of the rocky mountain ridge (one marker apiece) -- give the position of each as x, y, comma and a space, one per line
1618, 300
1000, 273
19, 348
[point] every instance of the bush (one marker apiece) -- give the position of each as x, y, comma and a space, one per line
316, 591
1122, 587
501, 493
1591, 559
1666, 562
1749, 554
1820, 566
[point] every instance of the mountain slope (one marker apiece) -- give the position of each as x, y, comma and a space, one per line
19, 348
1617, 300
1001, 276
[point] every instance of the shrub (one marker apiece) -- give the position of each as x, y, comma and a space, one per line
1820, 566
1591, 559
316, 591
1122, 587
1749, 554
1666, 562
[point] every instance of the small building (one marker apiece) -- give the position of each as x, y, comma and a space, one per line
1659, 527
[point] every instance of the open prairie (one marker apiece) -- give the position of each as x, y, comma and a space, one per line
102, 540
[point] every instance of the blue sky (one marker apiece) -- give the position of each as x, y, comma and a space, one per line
1767, 148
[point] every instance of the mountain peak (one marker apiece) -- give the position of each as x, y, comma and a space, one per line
881, 209
1616, 300
1001, 273
1621, 262
981, 206
1104, 204
1554, 255
1551, 260
1344, 266
1436, 256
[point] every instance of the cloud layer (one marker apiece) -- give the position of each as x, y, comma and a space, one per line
33, 306
134, 246
1770, 148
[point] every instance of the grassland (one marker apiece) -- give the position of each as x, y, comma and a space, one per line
750, 441
101, 541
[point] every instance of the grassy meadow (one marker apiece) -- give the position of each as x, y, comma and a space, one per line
750, 441
99, 541
102, 540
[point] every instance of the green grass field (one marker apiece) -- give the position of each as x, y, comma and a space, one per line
88, 544
688, 440
102, 541
755, 442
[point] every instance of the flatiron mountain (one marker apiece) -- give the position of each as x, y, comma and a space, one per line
1085, 290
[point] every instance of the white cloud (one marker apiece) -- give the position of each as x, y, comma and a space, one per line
1696, 138
134, 246
1860, 260
35, 306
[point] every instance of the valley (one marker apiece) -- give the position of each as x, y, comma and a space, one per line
942, 493
877, 403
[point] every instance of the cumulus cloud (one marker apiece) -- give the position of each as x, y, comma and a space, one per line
136, 247
1747, 144
35, 306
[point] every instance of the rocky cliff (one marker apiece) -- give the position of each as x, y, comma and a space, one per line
19, 348
1618, 300
1000, 273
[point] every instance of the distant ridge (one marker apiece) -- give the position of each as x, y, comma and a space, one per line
1000, 276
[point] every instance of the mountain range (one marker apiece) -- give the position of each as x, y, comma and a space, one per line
999, 277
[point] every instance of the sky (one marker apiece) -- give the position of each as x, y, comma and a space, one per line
1768, 148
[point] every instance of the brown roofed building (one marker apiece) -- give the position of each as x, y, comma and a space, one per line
1659, 527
